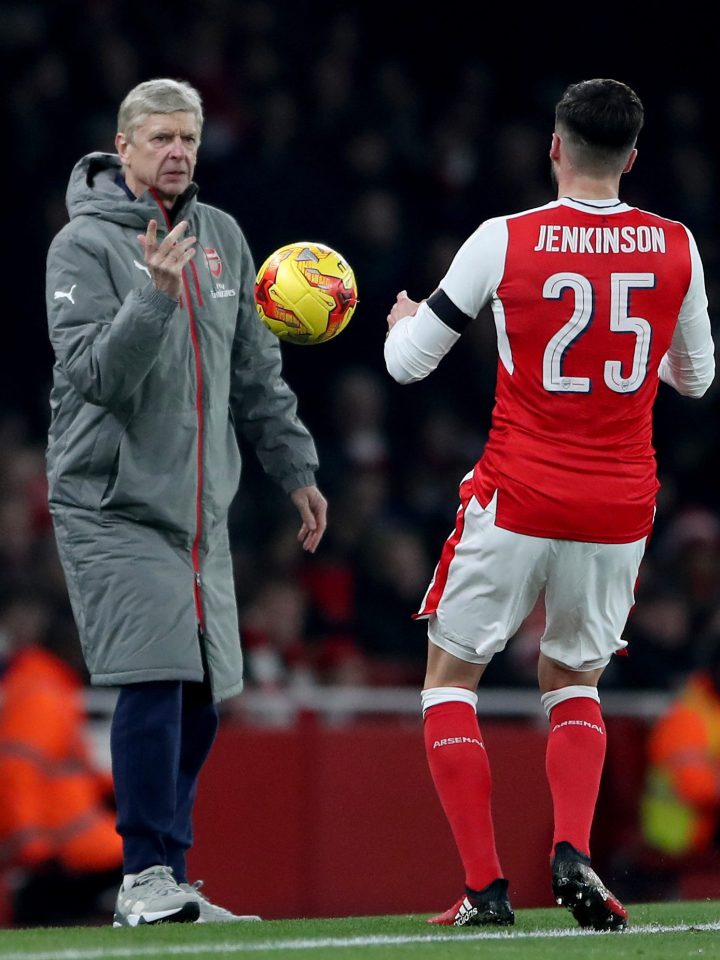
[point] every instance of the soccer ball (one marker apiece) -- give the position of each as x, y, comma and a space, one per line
305, 293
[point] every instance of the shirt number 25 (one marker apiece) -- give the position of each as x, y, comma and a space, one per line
621, 285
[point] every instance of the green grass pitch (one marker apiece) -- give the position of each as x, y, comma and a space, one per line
657, 931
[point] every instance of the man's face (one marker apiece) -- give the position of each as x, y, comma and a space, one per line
161, 155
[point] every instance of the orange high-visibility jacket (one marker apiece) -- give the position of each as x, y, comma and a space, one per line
51, 795
681, 806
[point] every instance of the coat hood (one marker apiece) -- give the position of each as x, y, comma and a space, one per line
93, 191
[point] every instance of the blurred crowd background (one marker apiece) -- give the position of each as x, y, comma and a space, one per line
391, 144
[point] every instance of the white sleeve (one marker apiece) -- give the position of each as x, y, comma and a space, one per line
477, 269
416, 344
689, 364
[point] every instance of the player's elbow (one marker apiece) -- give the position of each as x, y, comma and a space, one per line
696, 391
399, 374
405, 361
699, 387
692, 382
395, 366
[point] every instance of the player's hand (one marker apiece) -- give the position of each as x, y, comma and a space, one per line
312, 507
167, 259
403, 307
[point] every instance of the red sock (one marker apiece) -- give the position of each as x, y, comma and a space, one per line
461, 774
574, 761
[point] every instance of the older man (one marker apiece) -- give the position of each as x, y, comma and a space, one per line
160, 362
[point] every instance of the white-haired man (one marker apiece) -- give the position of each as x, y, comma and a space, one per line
160, 362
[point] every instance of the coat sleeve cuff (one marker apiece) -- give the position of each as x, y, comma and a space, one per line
155, 299
297, 480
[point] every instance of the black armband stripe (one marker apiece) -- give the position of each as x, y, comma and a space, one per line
443, 308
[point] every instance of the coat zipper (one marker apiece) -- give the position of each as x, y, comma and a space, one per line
195, 551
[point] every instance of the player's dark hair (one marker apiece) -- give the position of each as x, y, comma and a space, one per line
603, 115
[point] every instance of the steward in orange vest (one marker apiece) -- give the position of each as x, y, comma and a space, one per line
54, 812
680, 810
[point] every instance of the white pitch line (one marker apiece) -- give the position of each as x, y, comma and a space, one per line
380, 940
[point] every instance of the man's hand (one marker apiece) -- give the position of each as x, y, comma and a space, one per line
312, 507
403, 307
166, 260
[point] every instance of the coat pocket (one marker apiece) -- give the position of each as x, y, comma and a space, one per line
103, 465
112, 473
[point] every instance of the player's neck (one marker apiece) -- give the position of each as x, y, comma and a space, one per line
588, 188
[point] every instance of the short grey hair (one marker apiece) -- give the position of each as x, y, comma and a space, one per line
158, 96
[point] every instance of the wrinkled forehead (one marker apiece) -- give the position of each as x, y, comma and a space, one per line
181, 122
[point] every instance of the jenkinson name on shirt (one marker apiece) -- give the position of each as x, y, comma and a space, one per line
554, 238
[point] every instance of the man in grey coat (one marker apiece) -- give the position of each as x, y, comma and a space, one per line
160, 362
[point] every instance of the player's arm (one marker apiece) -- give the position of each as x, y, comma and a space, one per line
689, 364
417, 339
104, 345
421, 334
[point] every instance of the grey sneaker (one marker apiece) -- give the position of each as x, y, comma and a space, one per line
211, 912
155, 897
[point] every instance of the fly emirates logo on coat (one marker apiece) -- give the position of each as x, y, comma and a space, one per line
554, 238
215, 267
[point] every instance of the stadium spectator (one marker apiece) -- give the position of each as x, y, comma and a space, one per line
680, 808
159, 359
594, 300
393, 569
442, 443
689, 552
659, 635
282, 651
273, 631
59, 851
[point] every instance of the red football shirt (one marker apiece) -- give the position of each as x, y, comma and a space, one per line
586, 298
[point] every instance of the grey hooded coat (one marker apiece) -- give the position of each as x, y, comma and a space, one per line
143, 459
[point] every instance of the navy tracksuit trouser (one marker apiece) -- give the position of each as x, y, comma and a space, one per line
160, 737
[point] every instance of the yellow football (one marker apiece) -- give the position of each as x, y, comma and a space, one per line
305, 293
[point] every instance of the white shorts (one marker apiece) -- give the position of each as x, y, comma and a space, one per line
489, 579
